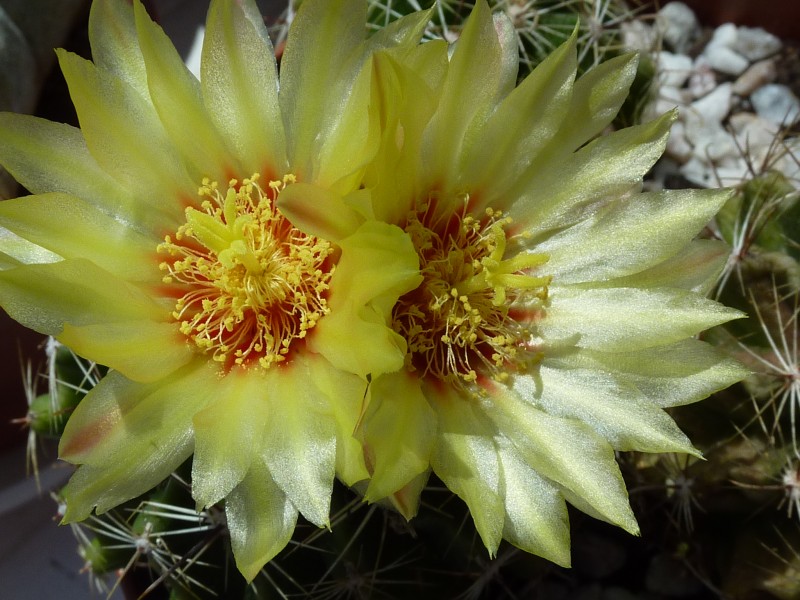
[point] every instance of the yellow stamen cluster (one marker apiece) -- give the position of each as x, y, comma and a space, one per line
250, 284
457, 323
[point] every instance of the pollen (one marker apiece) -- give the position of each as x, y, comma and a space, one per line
459, 323
250, 286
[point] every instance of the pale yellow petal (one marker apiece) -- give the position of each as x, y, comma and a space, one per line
596, 99
696, 267
565, 451
669, 375
228, 435
175, 93
125, 137
45, 296
130, 436
465, 459
260, 518
615, 409
474, 83
378, 265
239, 80
554, 192
398, 432
299, 444
535, 112
630, 235
623, 319
142, 350
73, 228
26, 143
345, 395
115, 44
536, 514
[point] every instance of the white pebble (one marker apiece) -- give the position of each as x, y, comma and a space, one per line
725, 35
714, 145
678, 25
699, 173
724, 59
711, 108
703, 79
731, 172
755, 44
678, 147
776, 103
751, 131
638, 35
673, 69
678, 97
760, 73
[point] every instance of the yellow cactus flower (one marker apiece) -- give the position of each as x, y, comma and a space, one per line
153, 245
556, 315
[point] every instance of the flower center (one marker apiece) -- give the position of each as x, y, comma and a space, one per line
459, 323
250, 284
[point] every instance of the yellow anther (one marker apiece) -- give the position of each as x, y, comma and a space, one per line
252, 284
457, 323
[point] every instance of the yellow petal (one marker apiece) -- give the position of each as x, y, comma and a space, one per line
299, 445
616, 411
239, 80
553, 192
45, 296
228, 434
141, 350
535, 111
398, 432
261, 520
176, 95
26, 143
475, 81
130, 436
125, 137
378, 265
624, 319
536, 514
465, 459
315, 85
318, 211
345, 395
630, 235
115, 44
82, 231
567, 452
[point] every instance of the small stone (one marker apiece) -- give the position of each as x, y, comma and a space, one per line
673, 69
714, 144
678, 25
760, 73
678, 147
638, 35
699, 173
703, 79
725, 35
732, 171
679, 97
751, 131
776, 103
755, 44
711, 108
724, 59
